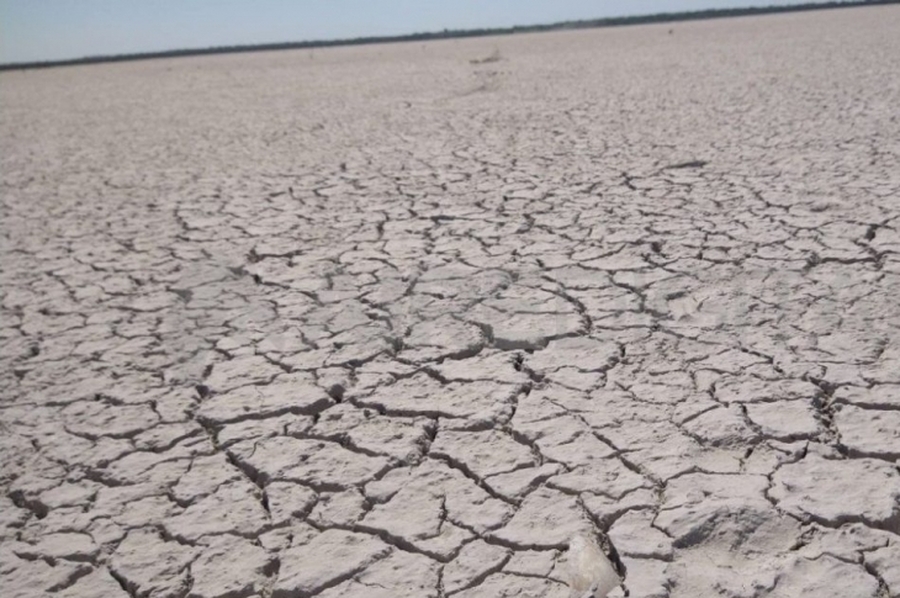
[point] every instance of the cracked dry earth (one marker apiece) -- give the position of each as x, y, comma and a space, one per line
390, 321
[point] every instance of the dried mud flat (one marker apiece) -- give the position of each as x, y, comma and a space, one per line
396, 321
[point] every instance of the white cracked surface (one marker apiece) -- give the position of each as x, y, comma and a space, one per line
381, 321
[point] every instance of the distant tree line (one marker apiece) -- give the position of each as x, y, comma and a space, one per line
461, 33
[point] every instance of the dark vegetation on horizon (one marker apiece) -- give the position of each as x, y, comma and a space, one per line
450, 34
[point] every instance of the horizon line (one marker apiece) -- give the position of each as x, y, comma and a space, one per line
665, 17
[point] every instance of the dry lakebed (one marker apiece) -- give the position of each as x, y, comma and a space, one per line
400, 320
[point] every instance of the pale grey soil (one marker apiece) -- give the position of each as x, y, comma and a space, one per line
384, 322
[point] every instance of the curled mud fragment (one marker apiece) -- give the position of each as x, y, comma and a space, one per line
591, 574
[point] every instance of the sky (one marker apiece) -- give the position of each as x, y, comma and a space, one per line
35, 30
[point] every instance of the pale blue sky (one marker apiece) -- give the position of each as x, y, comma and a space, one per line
57, 29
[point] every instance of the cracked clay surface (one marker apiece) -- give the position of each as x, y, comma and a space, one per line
391, 321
